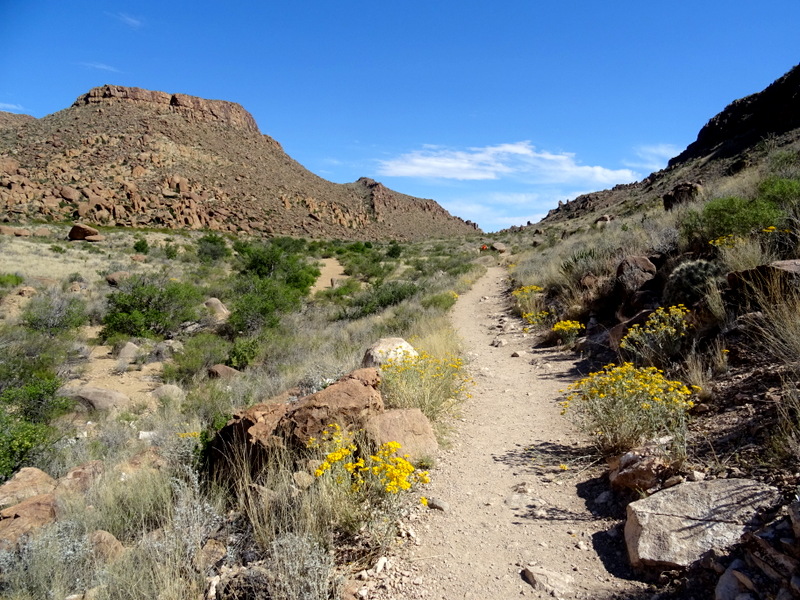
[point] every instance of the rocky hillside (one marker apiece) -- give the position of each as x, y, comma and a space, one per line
140, 158
738, 138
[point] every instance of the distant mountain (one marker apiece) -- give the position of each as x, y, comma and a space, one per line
140, 158
740, 137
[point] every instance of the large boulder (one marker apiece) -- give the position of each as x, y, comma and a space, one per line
80, 231
29, 481
674, 527
349, 402
23, 518
633, 272
95, 398
406, 426
218, 310
387, 349
79, 479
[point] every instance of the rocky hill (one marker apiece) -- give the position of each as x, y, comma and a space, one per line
140, 158
739, 138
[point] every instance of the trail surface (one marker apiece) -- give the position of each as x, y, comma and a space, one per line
509, 503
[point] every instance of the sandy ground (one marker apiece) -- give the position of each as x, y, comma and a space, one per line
509, 502
330, 271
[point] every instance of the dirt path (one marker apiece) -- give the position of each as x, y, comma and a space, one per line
508, 502
331, 269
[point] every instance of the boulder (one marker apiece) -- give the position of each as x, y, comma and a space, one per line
217, 309
81, 232
70, 193
105, 547
633, 272
169, 391
674, 527
23, 518
350, 402
94, 238
79, 479
27, 482
406, 426
41, 232
221, 371
95, 398
113, 279
686, 191
639, 470
500, 247
387, 349
129, 353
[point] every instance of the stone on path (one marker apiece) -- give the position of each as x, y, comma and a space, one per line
549, 582
674, 527
386, 349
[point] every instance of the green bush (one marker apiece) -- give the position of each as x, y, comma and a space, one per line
394, 250
54, 312
379, 297
730, 216
170, 251
26, 355
690, 281
779, 191
149, 306
441, 301
244, 352
273, 261
212, 247
141, 246
199, 353
35, 400
260, 302
18, 438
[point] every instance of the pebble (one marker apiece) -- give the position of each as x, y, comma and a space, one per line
437, 504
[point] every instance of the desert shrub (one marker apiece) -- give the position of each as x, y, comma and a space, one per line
394, 250
442, 301
663, 336
149, 306
528, 299
300, 568
56, 249
243, 352
54, 312
567, 331
625, 406
780, 191
212, 247
200, 352
366, 264
8, 280
36, 399
379, 297
141, 246
436, 385
170, 250
340, 293
278, 261
26, 355
730, 215
18, 438
260, 302
690, 281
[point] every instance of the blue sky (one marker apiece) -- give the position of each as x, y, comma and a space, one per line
496, 109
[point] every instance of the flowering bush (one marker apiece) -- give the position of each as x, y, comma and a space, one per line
538, 320
434, 385
661, 338
624, 406
567, 331
374, 476
528, 299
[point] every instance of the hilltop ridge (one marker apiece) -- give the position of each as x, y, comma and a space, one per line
131, 157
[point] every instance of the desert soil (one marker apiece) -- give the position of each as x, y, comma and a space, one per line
516, 481
330, 270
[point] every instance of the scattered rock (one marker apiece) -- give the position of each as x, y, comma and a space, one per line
80, 231
113, 279
437, 504
549, 582
129, 353
217, 309
169, 391
79, 479
95, 398
221, 371
409, 427
25, 517
28, 481
673, 528
387, 349
105, 547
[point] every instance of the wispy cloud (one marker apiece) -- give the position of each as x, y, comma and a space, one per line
99, 66
5, 106
653, 157
126, 19
519, 160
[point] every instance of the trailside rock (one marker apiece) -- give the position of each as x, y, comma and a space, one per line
25, 517
549, 582
407, 426
633, 272
27, 482
79, 479
169, 391
221, 371
674, 527
350, 401
96, 398
387, 349
105, 546
217, 309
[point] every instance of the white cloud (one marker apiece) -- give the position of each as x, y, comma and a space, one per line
99, 66
653, 157
519, 160
126, 19
5, 106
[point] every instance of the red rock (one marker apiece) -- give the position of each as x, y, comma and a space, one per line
25, 517
79, 479
28, 481
408, 427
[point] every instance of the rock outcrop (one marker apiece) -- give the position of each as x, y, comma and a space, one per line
141, 158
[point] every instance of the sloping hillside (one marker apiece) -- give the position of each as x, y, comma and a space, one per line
133, 157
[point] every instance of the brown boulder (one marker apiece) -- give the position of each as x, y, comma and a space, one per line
222, 372
114, 278
95, 398
25, 517
22, 233
41, 232
5, 230
81, 232
105, 547
387, 349
29, 481
639, 470
406, 426
350, 402
633, 272
70, 193
79, 479
94, 238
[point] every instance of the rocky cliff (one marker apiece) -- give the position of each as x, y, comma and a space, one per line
141, 158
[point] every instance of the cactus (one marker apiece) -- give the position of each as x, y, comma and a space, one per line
689, 282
